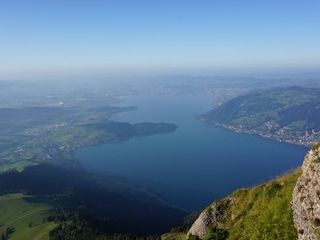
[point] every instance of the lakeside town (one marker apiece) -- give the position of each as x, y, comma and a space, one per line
301, 138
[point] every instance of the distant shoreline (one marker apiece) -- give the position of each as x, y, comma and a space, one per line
293, 141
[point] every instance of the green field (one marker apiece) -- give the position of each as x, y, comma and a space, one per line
25, 217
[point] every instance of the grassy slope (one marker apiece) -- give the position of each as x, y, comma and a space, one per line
264, 212
261, 212
24, 216
174, 236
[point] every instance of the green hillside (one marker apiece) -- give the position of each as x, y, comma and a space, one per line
25, 217
263, 212
260, 212
288, 114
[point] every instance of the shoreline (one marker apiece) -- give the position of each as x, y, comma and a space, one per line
294, 140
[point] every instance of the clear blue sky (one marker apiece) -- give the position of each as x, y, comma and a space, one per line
157, 35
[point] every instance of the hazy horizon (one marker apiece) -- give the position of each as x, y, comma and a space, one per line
52, 39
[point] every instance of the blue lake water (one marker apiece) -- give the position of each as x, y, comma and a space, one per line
197, 163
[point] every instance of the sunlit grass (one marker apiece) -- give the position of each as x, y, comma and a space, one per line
25, 217
174, 236
264, 211
260, 212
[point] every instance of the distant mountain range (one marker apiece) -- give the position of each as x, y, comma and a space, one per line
289, 114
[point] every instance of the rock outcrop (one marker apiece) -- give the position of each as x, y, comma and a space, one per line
306, 197
211, 216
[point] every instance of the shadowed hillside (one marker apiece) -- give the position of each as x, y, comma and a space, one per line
73, 200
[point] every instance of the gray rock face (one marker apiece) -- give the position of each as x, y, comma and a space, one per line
306, 198
200, 226
210, 216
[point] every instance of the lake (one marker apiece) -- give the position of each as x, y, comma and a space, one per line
197, 163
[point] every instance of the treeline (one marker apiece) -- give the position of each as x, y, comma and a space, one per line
76, 226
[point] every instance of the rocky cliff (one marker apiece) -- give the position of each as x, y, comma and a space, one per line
306, 197
211, 217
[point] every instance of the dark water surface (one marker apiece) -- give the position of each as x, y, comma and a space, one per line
197, 163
